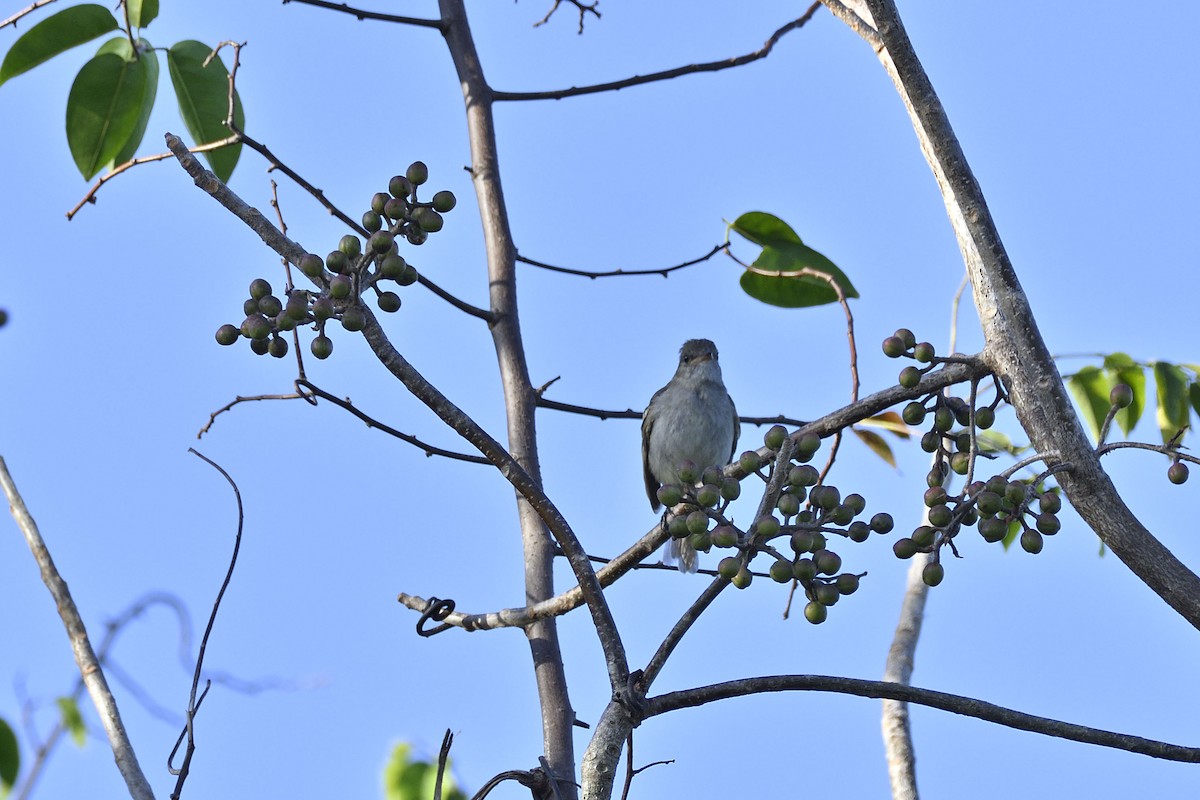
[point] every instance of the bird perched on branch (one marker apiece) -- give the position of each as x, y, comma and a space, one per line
692, 418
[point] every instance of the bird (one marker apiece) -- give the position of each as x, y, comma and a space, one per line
692, 418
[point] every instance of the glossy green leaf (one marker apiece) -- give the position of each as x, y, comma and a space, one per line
10, 757
203, 94
783, 251
877, 444
1014, 531
141, 12
1090, 387
120, 46
103, 110
406, 779
72, 720
1170, 382
1123, 369
1194, 394
56, 34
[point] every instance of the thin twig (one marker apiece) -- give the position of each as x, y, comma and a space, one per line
85, 656
583, 7
637, 80
957, 704
212, 418
443, 757
15, 17
362, 14
663, 271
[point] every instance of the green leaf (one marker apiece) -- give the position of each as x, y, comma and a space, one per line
141, 12
121, 47
56, 34
783, 251
1194, 394
1170, 382
878, 445
10, 757
1010, 536
103, 110
405, 779
1090, 386
203, 94
72, 720
1123, 369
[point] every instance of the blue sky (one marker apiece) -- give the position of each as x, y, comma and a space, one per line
1081, 129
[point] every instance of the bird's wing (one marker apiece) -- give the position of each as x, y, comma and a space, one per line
648, 419
737, 430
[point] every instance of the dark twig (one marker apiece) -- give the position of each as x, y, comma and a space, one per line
583, 7
193, 705
443, 756
636, 80
239, 399
1157, 448
17, 16
361, 14
956, 704
663, 271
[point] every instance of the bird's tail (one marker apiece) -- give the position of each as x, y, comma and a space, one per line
681, 550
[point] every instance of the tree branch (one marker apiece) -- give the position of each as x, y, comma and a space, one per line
613, 273
85, 656
956, 704
362, 14
637, 80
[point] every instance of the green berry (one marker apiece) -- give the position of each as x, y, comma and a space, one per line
670, 494
259, 346
1031, 541
781, 571
731, 489
743, 578
1121, 395
400, 186
687, 471
697, 522
259, 288
993, 529
847, 583
278, 347
1050, 502
395, 209
429, 220
256, 326
270, 305
807, 445
380, 242
1177, 473
311, 265
909, 377
417, 173
250, 306
858, 531
930, 441
767, 526
351, 245
729, 566
924, 352
322, 308
700, 542
893, 347
904, 548
940, 516
227, 334
336, 262
775, 436
913, 413
389, 302
372, 221
943, 419
985, 417
340, 287
906, 336
353, 319
724, 536
1048, 524
882, 523
922, 537
788, 505
816, 613
749, 461
378, 200
827, 594
804, 570
297, 305
677, 527
322, 347
708, 495
801, 541
933, 573
444, 201
827, 562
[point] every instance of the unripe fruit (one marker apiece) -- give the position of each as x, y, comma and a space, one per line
828, 562
993, 529
847, 583
395, 209
804, 570
336, 262
417, 173
801, 541
322, 346
697, 522
669, 494
934, 496
933, 573
909, 377
227, 334
906, 336
855, 502
259, 288
826, 594
677, 527
940, 516
930, 441
377, 201
922, 537
775, 436
256, 326
960, 409
284, 323
393, 267
444, 201
712, 474
1177, 473
1121, 395
259, 346
893, 347
960, 463
882, 523
749, 461
311, 265
270, 305
389, 302
340, 287
372, 221
858, 531
708, 495
1015, 492
1050, 503
815, 613
841, 515
278, 347
687, 471
808, 444
985, 417
767, 526
913, 413
943, 419
806, 475
729, 566
904, 548
819, 542
353, 319
988, 503
250, 306
781, 571
400, 186
429, 220
724, 536
924, 352
788, 505
937, 475
380, 242
350, 245
743, 578
996, 484
322, 308
1031, 541
731, 489
1048, 524
700, 542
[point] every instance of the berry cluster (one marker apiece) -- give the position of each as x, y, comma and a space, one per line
811, 513
347, 272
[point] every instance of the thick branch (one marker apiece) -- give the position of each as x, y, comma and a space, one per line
85, 656
1014, 346
956, 704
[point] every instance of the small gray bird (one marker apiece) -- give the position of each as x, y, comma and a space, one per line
691, 418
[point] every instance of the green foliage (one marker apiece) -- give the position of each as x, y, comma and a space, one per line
783, 252
203, 93
145, 53
10, 758
141, 12
72, 720
103, 110
56, 34
406, 779
1177, 390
